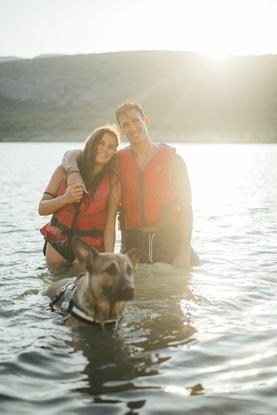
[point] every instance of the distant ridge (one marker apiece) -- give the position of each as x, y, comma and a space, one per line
48, 55
9, 58
189, 97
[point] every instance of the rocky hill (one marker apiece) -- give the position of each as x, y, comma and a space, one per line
188, 97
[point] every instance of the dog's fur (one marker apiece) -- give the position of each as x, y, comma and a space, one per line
108, 282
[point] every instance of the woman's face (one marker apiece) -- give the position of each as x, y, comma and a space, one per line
105, 149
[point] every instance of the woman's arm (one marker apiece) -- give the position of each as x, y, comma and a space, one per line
50, 202
112, 208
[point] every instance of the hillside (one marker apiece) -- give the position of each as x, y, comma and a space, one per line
188, 97
8, 58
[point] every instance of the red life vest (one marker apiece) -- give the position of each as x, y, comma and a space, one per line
89, 221
147, 196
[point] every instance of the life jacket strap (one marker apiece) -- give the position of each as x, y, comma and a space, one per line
95, 233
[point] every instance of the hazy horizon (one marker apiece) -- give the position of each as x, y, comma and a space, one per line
50, 54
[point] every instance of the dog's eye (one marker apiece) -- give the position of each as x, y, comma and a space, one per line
129, 270
111, 269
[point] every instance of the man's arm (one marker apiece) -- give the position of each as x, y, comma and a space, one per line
182, 187
69, 163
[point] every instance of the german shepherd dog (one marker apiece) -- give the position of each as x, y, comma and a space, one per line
99, 295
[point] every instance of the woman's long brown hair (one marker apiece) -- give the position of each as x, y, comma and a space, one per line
86, 159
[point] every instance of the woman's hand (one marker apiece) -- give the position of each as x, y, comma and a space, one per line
74, 193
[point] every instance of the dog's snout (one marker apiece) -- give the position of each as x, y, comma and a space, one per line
123, 291
127, 293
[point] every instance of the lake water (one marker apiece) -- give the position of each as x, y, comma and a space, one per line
197, 343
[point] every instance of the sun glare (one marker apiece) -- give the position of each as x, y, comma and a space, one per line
216, 55
221, 27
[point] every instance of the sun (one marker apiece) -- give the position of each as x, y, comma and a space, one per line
218, 54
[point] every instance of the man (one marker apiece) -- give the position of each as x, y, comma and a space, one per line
156, 194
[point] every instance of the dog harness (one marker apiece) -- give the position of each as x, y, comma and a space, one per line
69, 308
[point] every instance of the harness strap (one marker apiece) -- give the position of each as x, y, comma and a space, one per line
66, 291
68, 294
95, 233
55, 300
82, 316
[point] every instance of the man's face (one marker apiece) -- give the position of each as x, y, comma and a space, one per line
134, 126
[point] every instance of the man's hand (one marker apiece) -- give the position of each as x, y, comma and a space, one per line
74, 193
182, 259
76, 179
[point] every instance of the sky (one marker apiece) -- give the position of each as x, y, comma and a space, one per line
216, 27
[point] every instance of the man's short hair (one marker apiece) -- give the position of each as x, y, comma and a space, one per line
127, 106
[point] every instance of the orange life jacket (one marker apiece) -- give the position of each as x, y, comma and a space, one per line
147, 196
88, 222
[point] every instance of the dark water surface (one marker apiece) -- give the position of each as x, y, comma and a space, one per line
197, 343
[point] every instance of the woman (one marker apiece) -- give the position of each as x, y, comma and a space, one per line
91, 215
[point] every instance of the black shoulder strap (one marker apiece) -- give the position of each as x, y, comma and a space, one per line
73, 224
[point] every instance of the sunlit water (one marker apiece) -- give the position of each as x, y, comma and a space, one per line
198, 343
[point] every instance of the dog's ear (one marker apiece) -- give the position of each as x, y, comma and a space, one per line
134, 254
85, 253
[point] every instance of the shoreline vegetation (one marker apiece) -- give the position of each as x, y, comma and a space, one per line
190, 97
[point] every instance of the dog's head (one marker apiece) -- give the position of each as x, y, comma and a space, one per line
110, 278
